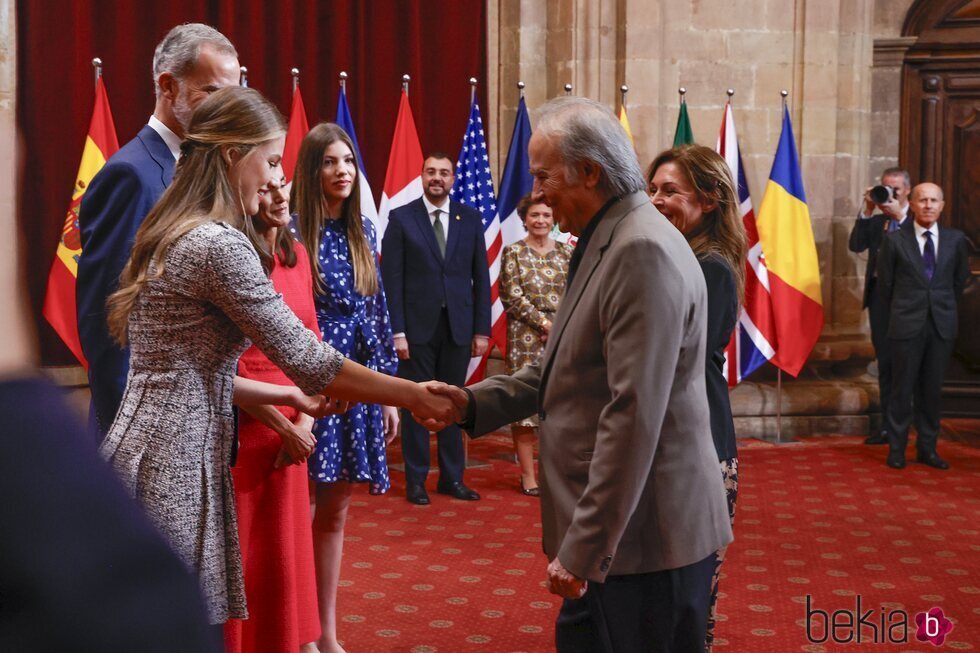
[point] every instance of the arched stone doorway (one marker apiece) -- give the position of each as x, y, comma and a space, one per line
940, 142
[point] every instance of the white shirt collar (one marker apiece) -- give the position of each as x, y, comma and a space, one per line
170, 138
430, 207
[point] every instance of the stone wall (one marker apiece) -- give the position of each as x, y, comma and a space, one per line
839, 60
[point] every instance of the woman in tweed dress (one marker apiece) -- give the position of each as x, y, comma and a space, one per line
190, 299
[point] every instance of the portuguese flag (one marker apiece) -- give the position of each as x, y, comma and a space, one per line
59, 300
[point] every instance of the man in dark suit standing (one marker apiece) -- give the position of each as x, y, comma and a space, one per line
868, 232
922, 269
190, 63
434, 266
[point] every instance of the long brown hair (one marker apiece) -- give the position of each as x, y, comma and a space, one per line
722, 231
234, 118
308, 202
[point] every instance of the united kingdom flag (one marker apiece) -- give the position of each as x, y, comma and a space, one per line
474, 187
754, 339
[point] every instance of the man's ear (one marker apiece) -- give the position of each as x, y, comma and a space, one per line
169, 86
590, 173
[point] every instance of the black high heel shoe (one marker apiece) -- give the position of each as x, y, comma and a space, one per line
529, 492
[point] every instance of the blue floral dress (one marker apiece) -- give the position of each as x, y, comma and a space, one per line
351, 446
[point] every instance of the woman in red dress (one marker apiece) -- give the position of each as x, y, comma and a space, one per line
271, 486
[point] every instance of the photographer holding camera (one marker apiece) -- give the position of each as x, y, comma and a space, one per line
891, 199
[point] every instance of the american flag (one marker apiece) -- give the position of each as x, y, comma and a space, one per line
753, 341
474, 187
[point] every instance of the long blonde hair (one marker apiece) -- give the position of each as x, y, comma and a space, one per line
722, 231
307, 200
233, 118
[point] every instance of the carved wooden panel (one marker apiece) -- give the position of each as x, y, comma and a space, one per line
965, 169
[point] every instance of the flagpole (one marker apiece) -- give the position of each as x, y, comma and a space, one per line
623, 90
730, 93
779, 371
343, 81
568, 89
243, 76
406, 78
472, 90
295, 74
520, 88
682, 92
97, 65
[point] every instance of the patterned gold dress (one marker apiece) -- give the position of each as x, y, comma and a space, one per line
531, 285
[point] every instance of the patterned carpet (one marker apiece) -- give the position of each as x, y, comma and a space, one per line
824, 518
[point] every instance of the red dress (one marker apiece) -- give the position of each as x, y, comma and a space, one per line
274, 526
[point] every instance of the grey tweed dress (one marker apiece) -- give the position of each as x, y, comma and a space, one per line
172, 437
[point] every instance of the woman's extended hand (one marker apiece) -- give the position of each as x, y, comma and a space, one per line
390, 419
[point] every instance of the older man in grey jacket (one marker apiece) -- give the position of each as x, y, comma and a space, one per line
633, 507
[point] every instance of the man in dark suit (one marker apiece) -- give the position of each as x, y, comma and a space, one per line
191, 62
434, 266
633, 507
868, 232
922, 269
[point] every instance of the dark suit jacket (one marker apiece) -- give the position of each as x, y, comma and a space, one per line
629, 475
722, 315
81, 567
867, 235
117, 200
911, 297
418, 281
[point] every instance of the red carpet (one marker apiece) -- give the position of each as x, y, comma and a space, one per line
825, 518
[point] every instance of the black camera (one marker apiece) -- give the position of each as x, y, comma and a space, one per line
883, 194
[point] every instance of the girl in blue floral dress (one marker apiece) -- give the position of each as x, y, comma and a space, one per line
353, 316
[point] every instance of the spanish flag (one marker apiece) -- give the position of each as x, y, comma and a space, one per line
790, 256
59, 300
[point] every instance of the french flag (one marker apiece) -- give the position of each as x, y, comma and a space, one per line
403, 180
754, 339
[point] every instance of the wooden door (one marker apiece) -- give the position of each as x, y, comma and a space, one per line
940, 142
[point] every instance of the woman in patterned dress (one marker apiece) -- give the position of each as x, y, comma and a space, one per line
532, 280
190, 298
692, 186
272, 498
353, 316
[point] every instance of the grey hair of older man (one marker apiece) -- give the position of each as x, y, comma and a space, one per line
585, 130
177, 52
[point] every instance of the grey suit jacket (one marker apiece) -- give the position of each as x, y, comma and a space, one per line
630, 481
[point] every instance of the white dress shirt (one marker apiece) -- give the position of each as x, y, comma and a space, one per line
431, 209
170, 138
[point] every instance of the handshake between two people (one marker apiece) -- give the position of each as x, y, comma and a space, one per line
440, 406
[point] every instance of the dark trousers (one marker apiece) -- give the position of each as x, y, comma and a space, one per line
660, 612
919, 366
439, 359
878, 318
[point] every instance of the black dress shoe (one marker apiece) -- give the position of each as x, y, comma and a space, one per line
416, 494
932, 459
877, 438
896, 460
530, 491
458, 490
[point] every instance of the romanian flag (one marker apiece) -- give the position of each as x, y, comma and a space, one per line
59, 300
297, 130
790, 257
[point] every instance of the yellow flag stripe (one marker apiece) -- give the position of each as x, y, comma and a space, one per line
625, 122
92, 162
787, 241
